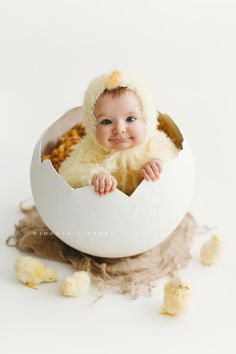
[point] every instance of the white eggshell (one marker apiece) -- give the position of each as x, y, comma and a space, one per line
115, 225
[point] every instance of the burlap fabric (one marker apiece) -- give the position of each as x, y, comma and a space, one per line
129, 275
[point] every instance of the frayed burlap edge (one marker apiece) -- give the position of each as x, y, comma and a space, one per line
129, 275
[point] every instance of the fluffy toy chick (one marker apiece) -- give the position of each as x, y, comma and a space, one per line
211, 251
76, 284
31, 272
176, 297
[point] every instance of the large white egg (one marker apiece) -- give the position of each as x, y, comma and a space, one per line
116, 225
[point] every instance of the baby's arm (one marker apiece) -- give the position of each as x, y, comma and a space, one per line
84, 174
79, 174
151, 170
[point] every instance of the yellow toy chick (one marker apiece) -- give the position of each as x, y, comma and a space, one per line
31, 272
176, 297
211, 251
76, 284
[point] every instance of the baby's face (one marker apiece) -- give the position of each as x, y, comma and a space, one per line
120, 121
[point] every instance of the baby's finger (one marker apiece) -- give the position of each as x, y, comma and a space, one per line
108, 184
145, 175
101, 185
114, 184
150, 172
155, 169
159, 165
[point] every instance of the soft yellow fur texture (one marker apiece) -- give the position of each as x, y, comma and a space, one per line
88, 159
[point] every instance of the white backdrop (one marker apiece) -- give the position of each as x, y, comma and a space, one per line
185, 51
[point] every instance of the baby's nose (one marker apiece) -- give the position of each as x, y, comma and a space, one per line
119, 128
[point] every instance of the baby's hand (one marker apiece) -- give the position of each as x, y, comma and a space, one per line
151, 170
104, 183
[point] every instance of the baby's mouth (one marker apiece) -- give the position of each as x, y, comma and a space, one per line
119, 140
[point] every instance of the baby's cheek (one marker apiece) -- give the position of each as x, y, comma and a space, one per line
101, 135
139, 134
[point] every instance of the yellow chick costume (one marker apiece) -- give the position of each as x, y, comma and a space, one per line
90, 157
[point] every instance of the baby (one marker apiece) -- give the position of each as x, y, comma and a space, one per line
122, 145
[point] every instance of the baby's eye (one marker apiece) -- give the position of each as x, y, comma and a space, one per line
130, 119
106, 121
